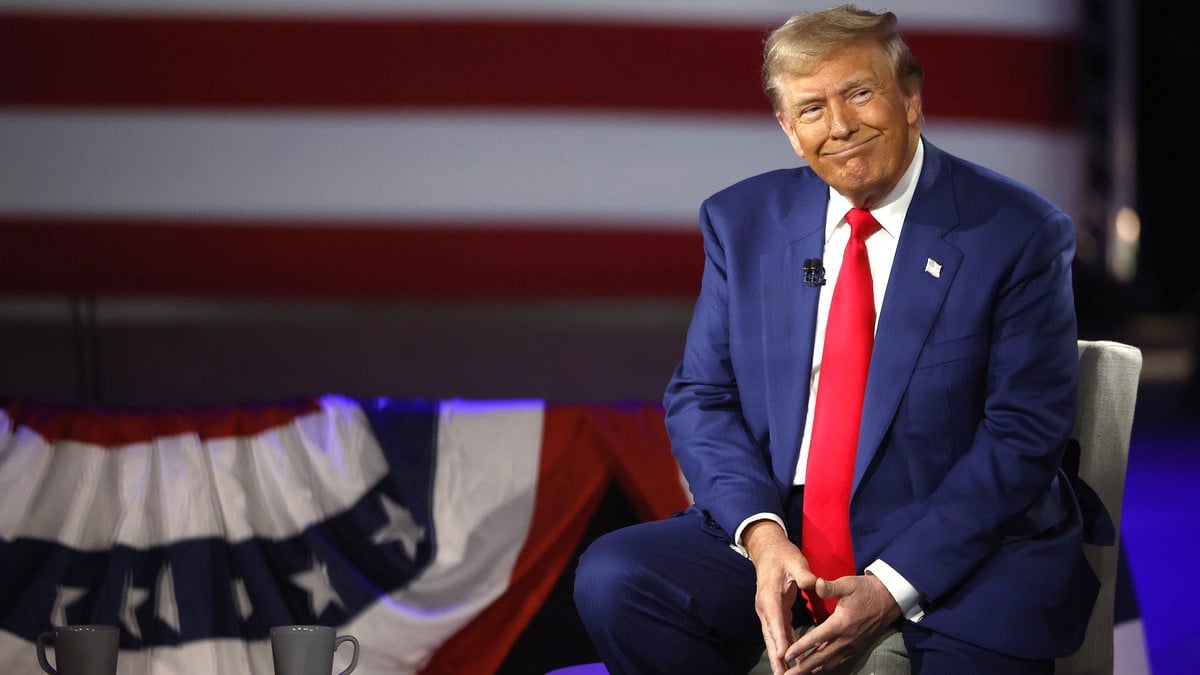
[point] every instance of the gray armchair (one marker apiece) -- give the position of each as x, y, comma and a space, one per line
1108, 383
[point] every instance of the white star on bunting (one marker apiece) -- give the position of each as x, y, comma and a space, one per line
320, 589
242, 598
400, 527
168, 608
64, 596
133, 598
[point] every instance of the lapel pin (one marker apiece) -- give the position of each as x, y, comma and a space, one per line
933, 268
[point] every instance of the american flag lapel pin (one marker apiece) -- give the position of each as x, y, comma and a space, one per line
933, 268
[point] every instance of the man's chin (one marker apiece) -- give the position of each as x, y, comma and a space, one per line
850, 183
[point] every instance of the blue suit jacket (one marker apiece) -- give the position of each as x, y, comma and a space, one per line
969, 403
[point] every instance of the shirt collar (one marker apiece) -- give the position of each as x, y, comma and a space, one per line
891, 210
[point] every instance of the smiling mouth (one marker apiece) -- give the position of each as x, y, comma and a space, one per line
850, 149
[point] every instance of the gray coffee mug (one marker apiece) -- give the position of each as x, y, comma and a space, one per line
80, 650
308, 650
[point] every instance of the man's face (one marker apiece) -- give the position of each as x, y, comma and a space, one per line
849, 118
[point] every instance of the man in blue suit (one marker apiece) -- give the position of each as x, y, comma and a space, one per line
966, 534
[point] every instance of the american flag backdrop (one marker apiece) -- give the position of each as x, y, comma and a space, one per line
445, 147
430, 149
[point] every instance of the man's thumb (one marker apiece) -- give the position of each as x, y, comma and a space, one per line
829, 589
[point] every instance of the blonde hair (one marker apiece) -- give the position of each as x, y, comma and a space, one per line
804, 39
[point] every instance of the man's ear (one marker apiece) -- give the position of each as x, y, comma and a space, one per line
790, 132
914, 107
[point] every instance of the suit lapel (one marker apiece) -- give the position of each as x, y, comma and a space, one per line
912, 301
789, 316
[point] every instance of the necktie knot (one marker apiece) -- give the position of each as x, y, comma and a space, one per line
862, 223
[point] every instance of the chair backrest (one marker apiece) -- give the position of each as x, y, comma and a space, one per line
1108, 383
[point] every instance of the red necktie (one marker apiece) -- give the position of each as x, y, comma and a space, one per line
849, 335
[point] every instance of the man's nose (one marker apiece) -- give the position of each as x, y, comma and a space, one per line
843, 121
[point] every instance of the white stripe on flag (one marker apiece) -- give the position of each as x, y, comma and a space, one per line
595, 170
271, 485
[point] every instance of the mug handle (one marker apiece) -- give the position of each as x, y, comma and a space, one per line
353, 660
41, 653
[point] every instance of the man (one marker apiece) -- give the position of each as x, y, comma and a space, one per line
956, 526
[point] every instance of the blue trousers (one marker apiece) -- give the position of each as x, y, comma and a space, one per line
673, 597
669, 597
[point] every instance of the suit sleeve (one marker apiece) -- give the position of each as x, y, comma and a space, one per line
725, 465
1029, 408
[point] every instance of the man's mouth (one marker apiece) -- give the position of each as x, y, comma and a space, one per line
851, 149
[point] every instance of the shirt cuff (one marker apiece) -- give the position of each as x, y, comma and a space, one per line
738, 545
904, 593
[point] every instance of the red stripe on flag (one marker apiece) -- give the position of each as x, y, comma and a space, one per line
583, 449
113, 427
245, 62
344, 259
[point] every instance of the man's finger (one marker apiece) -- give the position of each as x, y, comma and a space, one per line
808, 658
777, 644
824, 659
776, 628
777, 635
784, 663
812, 638
838, 588
803, 576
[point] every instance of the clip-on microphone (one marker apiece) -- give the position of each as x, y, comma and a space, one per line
814, 272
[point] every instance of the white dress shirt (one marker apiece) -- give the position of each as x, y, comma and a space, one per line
881, 251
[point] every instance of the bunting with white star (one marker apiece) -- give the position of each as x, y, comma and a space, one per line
403, 522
